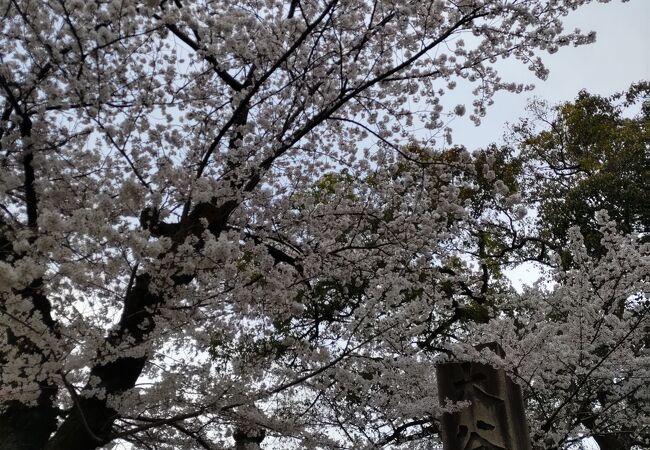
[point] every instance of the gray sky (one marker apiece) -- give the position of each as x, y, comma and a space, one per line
619, 57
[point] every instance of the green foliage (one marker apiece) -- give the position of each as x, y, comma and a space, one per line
474, 312
591, 158
331, 183
493, 163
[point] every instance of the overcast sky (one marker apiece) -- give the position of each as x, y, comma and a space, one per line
619, 57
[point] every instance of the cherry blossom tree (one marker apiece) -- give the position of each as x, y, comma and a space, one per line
584, 171
212, 227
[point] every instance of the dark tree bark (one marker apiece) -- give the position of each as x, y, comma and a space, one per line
89, 425
27, 427
616, 441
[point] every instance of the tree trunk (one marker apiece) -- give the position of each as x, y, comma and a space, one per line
27, 427
90, 423
612, 442
21, 426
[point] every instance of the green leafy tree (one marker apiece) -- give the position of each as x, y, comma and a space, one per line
591, 157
